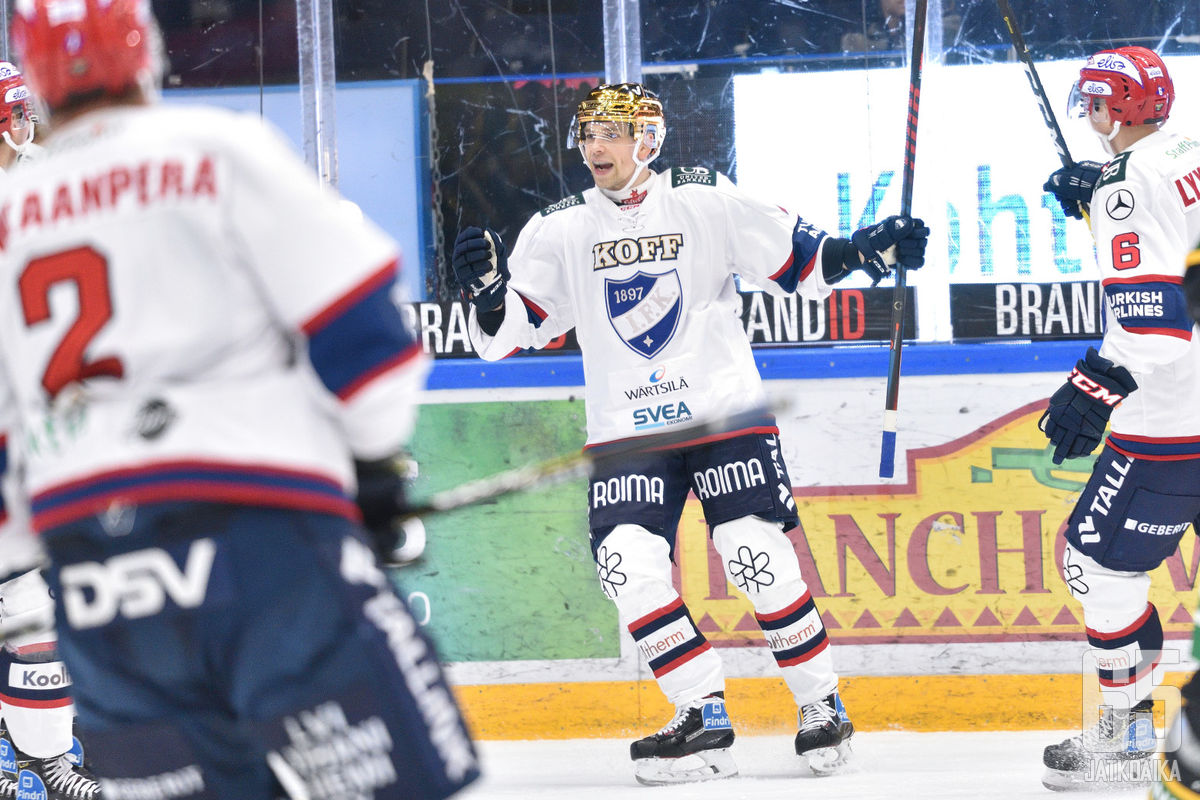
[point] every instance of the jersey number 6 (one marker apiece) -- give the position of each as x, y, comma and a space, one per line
88, 270
1125, 253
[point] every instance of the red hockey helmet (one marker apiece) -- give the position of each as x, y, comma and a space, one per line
1133, 81
16, 105
71, 48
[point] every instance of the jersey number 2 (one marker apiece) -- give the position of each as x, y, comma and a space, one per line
88, 270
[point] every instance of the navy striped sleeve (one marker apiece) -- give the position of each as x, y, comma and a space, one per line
360, 337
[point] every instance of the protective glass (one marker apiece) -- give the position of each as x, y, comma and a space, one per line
605, 130
1082, 94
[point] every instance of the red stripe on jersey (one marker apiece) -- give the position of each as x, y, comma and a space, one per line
49, 644
62, 702
405, 358
683, 659
792, 609
786, 266
199, 491
1177, 279
1151, 456
537, 310
1133, 626
716, 437
381, 277
1161, 439
1132, 679
655, 614
1178, 334
791, 662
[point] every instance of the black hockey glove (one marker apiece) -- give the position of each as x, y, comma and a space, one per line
1073, 186
383, 500
1079, 411
896, 238
481, 266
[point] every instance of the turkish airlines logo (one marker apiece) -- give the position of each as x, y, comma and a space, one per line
1119, 204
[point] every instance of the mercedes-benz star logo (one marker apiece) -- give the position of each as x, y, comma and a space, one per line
1120, 204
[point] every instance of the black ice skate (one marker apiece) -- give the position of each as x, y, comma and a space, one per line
824, 737
8, 766
1116, 753
693, 746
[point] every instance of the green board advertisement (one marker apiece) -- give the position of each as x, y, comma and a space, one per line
510, 579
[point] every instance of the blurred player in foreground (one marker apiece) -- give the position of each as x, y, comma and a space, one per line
1144, 492
38, 750
204, 354
642, 267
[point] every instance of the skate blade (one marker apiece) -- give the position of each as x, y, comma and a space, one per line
828, 760
707, 765
1136, 775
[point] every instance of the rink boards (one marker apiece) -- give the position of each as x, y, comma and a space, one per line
938, 588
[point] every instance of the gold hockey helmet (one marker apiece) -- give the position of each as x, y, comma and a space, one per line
629, 103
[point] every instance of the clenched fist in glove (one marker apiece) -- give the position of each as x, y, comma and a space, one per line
481, 266
1079, 411
383, 500
897, 238
1073, 186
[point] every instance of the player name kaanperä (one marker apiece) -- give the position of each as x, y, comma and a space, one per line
140, 184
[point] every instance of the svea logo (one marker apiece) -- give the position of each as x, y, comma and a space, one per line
658, 416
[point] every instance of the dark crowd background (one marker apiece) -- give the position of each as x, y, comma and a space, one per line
508, 73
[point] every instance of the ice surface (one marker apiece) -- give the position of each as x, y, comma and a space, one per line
930, 766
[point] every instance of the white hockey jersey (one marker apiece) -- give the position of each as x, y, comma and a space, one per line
1145, 219
650, 293
19, 550
187, 315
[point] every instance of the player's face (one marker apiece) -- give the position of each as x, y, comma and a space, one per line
1098, 116
19, 129
608, 150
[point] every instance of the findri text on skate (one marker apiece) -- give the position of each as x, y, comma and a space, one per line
693, 746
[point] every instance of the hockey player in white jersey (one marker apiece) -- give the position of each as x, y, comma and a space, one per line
642, 267
1179, 776
211, 380
1144, 492
38, 749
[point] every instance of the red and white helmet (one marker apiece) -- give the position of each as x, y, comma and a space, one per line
16, 104
1132, 80
84, 48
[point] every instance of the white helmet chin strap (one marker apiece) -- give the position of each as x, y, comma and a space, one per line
20, 148
641, 165
1106, 139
